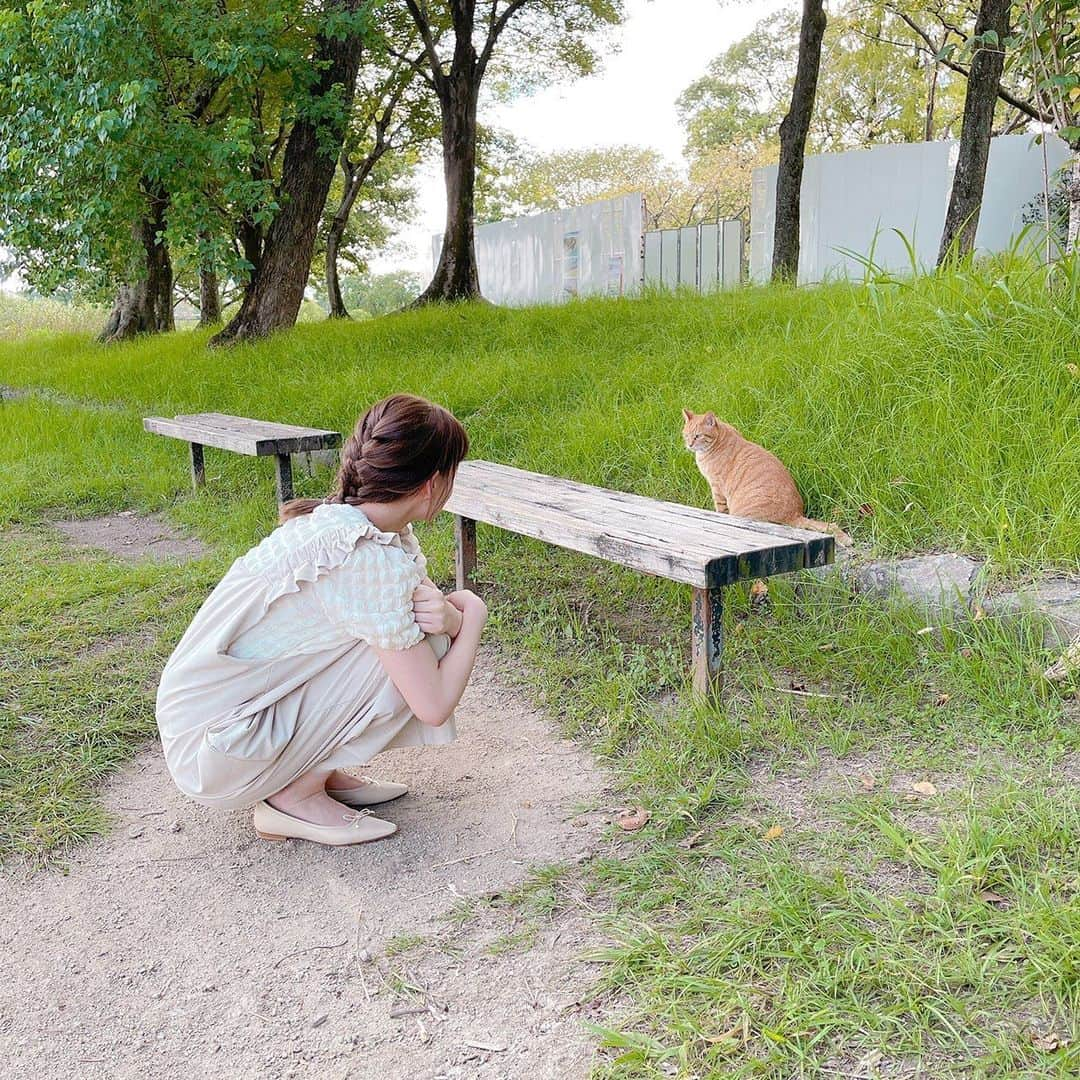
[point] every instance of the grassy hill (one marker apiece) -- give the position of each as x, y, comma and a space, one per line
947, 406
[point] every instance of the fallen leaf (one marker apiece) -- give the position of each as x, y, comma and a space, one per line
630, 819
991, 897
827, 647
1065, 665
1072, 369
759, 590
1049, 1042
867, 780
979, 613
924, 631
924, 787
800, 686
942, 699
866, 510
774, 832
687, 842
908, 507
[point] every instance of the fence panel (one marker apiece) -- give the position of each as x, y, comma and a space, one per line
702, 257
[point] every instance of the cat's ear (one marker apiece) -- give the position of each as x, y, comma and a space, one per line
710, 419
687, 415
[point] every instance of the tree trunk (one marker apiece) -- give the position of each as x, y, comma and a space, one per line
965, 200
793, 131
209, 297
275, 290
145, 304
931, 98
456, 276
354, 177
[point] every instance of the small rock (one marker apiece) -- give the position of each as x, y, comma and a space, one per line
320, 1020
135, 831
935, 581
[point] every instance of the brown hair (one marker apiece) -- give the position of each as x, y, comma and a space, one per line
396, 446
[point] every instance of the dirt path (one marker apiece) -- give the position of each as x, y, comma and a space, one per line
175, 947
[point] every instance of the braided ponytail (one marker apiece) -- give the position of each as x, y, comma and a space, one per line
396, 446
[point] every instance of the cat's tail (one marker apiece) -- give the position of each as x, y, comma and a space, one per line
814, 525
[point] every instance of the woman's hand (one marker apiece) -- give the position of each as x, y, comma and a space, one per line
435, 613
465, 599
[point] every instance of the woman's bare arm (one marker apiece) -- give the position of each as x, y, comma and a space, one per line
432, 688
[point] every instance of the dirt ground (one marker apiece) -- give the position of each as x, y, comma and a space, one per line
183, 946
129, 536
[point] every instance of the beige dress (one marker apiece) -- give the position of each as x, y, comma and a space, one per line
277, 672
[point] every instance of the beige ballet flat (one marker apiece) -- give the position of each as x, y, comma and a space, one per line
359, 827
370, 793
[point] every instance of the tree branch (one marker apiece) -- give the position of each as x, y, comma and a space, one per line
424, 26
496, 28
415, 63
1026, 107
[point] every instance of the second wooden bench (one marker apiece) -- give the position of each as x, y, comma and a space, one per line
243, 435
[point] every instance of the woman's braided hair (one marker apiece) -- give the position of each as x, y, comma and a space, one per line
397, 445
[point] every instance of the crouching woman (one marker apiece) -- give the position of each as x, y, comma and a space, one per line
327, 643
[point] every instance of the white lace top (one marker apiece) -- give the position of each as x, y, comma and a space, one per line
334, 577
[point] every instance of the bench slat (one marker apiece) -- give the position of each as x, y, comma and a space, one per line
633, 545
693, 548
253, 437
266, 429
484, 476
701, 548
709, 535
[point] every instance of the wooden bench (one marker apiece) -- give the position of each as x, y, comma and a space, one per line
702, 548
243, 436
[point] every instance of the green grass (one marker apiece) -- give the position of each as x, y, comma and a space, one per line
946, 405
933, 930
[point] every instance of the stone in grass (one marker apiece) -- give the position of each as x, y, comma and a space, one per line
1057, 600
935, 582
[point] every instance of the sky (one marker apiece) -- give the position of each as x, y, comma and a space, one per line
663, 46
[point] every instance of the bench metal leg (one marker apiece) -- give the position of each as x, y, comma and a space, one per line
707, 647
198, 469
464, 551
284, 478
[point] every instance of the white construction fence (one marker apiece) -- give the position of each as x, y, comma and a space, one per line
598, 249
852, 202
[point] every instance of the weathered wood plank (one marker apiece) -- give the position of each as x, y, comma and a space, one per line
241, 441
707, 641
283, 478
480, 477
198, 467
263, 429
464, 551
568, 532
649, 522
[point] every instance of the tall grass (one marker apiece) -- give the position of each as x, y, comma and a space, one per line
944, 407
21, 316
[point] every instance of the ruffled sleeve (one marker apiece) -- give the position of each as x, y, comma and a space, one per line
369, 595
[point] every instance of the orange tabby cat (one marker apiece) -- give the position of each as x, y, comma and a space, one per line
747, 480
